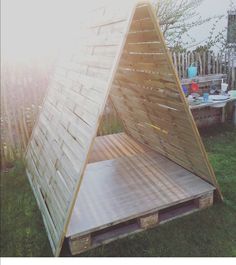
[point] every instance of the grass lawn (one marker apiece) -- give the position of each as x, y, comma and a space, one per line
211, 232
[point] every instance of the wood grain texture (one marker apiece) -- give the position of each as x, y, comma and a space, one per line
113, 146
131, 185
121, 53
148, 96
71, 113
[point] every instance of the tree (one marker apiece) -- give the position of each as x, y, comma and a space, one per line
221, 39
176, 18
231, 34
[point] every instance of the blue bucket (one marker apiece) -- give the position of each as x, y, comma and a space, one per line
192, 71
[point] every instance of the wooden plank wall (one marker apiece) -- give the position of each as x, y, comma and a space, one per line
148, 98
19, 107
58, 150
208, 63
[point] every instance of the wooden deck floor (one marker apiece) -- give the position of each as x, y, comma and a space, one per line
117, 188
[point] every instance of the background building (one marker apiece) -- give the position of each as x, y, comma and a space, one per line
231, 40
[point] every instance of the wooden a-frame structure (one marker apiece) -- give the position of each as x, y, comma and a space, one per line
123, 56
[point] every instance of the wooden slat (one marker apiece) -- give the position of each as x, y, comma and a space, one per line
142, 78
108, 14
142, 24
152, 106
147, 93
144, 47
103, 62
158, 58
142, 36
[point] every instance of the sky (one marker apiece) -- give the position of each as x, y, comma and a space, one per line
211, 8
37, 28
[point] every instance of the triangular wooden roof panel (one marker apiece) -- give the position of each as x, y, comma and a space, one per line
60, 143
123, 54
148, 96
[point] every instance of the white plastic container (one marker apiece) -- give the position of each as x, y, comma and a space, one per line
224, 87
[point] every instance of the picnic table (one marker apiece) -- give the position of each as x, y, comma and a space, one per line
217, 104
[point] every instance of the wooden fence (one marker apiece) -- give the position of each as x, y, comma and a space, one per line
22, 91
207, 63
24, 87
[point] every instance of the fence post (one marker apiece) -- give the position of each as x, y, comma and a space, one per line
209, 63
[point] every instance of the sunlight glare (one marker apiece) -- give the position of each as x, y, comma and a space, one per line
34, 29
37, 28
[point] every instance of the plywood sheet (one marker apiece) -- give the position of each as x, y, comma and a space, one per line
130, 185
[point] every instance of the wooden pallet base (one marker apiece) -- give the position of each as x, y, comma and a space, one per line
128, 188
79, 244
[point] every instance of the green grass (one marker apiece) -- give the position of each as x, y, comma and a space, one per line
211, 232
22, 229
